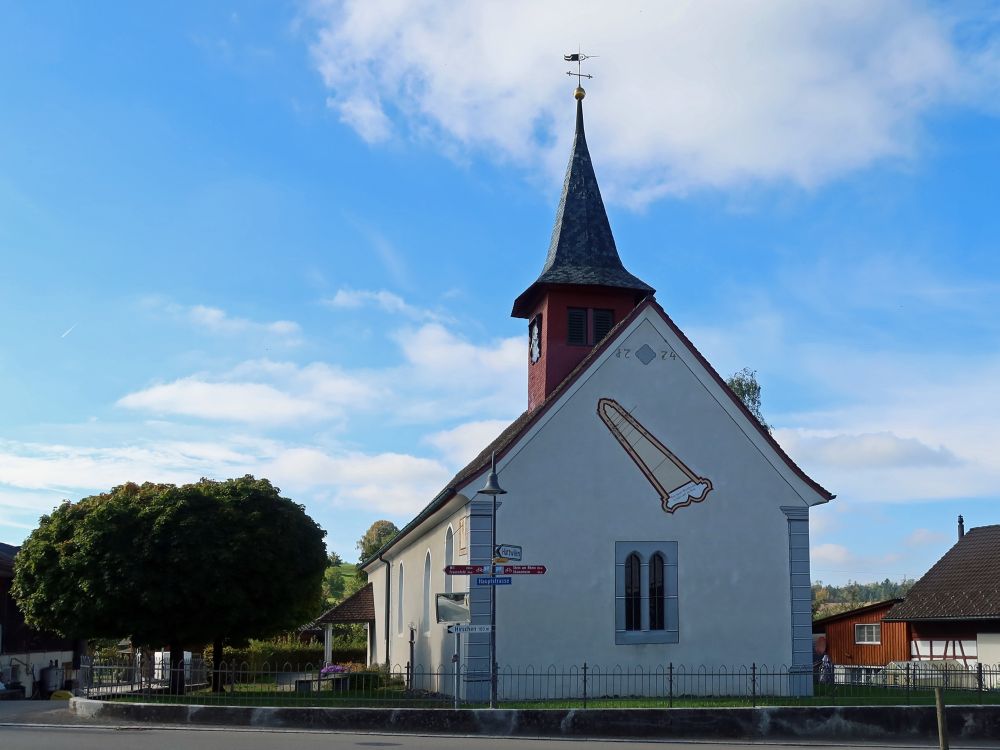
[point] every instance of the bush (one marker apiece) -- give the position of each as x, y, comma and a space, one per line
272, 654
275, 653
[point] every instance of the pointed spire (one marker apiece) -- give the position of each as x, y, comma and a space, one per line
582, 250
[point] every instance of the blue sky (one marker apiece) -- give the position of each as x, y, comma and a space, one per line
284, 239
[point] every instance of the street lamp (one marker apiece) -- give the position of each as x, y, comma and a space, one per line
493, 489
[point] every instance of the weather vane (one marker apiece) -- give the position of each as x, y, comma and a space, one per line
578, 58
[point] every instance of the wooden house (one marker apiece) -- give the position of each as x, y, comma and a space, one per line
861, 638
953, 612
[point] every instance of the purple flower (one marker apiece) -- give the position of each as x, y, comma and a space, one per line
332, 669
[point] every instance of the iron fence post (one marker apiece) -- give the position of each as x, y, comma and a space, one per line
670, 684
907, 683
585, 684
979, 680
753, 683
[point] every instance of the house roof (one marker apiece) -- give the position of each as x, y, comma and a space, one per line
7, 552
848, 614
963, 585
582, 250
358, 607
506, 439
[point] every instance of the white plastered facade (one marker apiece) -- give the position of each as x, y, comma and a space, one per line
574, 493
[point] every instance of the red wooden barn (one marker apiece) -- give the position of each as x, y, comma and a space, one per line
860, 637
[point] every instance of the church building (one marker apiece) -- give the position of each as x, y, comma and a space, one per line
671, 526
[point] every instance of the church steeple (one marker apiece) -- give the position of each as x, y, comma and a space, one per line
583, 289
582, 249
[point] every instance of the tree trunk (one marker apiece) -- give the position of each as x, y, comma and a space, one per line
176, 669
218, 684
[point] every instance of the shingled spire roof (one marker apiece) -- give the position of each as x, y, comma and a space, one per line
582, 250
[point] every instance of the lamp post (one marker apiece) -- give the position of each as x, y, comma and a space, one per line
493, 488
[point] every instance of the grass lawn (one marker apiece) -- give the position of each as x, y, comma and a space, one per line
394, 695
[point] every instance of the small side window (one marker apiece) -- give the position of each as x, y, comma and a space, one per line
868, 633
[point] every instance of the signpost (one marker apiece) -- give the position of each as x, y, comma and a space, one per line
464, 570
519, 570
493, 581
507, 552
470, 628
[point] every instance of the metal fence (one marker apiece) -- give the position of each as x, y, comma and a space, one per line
578, 686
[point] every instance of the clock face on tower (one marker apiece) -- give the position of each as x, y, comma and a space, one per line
535, 339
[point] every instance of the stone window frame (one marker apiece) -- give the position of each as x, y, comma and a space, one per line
645, 552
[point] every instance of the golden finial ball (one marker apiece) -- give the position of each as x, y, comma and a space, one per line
579, 93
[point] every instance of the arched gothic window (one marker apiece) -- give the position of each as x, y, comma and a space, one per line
449, 557
646, 600
657, 594
399, 602
427, 592
633, 593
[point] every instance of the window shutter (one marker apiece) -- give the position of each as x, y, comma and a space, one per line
604, 321
577, 328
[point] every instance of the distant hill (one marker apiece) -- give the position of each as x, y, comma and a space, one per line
829, 600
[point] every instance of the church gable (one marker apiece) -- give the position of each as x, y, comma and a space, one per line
647, 399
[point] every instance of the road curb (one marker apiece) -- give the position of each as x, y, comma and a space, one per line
911, 723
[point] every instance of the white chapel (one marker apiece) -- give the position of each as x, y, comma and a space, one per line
672, 528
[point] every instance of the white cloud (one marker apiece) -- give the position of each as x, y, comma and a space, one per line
461, 444
353, 299
922, 537
830, 554
34, 477
394, 483
447, 376
871, 450
261, 392
365, 115
218, 321
239, 402
442, 376
686, 94
62, 471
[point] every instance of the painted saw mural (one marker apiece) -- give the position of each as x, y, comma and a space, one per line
676, 484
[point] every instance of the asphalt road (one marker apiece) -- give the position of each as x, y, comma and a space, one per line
48, 725
110, 738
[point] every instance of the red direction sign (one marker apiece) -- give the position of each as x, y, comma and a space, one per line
514, 570
464, 570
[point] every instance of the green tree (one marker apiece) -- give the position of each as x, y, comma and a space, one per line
333, 581
377, 536
354, 584
744, 384
209, 561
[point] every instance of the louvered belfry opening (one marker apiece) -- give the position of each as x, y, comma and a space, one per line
604, 321
576, 327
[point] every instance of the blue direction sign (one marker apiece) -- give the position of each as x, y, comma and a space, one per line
493, 580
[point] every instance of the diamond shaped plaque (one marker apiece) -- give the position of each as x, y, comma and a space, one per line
645, 354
